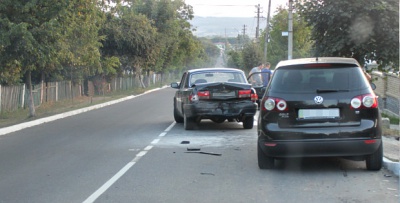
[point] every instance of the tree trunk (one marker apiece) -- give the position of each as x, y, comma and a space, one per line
141, 81
31, 104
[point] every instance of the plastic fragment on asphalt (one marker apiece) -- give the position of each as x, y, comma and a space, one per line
211, 174
207, 153
193, 149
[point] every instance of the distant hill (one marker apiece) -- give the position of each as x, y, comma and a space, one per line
229, 26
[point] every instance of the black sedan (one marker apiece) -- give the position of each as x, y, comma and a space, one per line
217, 94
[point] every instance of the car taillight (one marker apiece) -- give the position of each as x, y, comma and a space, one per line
244, 93
271, 103
254, 97
203, 94
364, 101
199, 95
248, 94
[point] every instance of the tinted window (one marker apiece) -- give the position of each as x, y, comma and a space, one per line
312, 79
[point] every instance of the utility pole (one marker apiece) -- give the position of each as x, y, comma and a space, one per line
290, 37
267, 33
258, 22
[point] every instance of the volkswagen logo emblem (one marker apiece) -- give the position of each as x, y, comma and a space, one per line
318, 100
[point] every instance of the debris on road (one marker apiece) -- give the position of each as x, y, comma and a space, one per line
207, 153
211, 174
193, 149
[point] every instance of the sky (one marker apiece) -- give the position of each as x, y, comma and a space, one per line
233, 8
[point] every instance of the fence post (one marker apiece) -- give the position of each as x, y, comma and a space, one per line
0, 98
23, 96
42, 91
57, 91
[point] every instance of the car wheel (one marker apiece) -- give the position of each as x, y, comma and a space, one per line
374, 160
188, 123
264, 161
218, 120
248, 122
178, 118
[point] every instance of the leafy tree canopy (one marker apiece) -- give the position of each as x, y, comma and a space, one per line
365, 30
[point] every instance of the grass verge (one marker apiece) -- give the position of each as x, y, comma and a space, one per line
53, 108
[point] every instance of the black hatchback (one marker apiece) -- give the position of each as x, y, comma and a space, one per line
319, 107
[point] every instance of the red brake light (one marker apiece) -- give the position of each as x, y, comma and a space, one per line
199, 95
244, 93
254, 97
203, 94
370, 141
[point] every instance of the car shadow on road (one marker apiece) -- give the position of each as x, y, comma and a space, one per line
325, 164
208, 125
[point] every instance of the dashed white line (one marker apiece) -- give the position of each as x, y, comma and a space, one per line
155, 141
148, 148
109, 183
121, 172
142, 153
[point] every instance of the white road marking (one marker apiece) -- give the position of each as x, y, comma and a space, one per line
170, 127
142, 153
155, 141
148, 148
125, 169
109, 183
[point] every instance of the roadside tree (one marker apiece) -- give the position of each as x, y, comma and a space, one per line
365, 30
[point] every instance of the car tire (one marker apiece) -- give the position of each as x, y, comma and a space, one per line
264, 161
218, 120
374, 160
248, 122
188, 123
178, 118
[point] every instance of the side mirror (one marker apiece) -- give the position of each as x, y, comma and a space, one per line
373, 86
175, 85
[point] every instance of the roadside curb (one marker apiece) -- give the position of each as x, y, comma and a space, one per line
391, 166
14, 128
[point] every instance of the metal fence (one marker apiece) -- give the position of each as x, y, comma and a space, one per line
388, 90
15, 97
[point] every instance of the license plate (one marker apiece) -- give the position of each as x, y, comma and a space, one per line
224, 94
318, 113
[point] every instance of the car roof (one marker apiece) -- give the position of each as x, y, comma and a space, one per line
214, 70
332, 60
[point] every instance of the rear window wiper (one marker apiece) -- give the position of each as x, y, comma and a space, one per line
330, 90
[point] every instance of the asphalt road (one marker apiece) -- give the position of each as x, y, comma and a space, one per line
134, 152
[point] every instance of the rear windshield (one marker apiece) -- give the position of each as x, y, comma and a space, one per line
210, 77
295, 79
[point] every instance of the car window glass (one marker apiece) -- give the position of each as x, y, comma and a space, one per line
183, 84
210, 77
312, 79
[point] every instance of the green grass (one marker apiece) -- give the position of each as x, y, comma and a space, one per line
53, 108
393, 120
